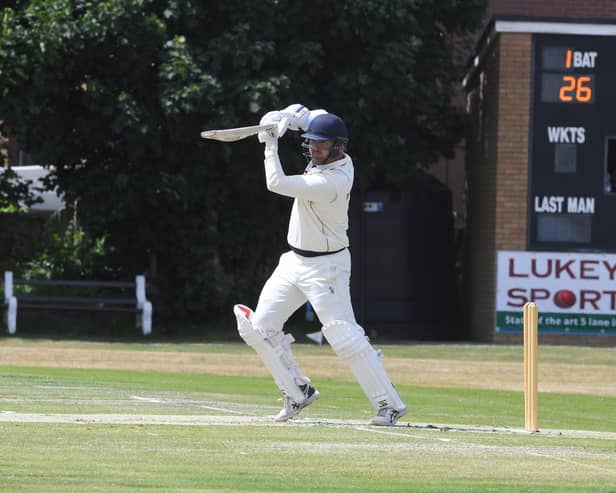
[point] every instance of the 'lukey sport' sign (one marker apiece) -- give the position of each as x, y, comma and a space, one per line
575, 292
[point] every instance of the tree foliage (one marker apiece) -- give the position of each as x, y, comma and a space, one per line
114, 94
15, 193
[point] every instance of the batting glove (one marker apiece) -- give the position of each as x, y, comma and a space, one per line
274, 117
297, 115
271, 117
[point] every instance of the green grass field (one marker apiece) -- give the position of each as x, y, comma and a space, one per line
163, 417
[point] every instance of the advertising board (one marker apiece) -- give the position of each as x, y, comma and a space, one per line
575, 292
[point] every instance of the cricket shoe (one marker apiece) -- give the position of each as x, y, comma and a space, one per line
292, 408
388, 416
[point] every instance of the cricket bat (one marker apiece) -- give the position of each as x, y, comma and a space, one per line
233, 134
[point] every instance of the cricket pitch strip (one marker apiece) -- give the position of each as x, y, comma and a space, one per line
248, 420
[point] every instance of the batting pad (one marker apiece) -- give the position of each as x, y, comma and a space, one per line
350, 343
274, 352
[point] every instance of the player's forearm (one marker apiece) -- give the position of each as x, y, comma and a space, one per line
308, 187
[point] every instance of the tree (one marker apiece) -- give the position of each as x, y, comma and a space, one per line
114, 94
15, 193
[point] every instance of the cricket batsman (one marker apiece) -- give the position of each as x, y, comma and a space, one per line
317, 268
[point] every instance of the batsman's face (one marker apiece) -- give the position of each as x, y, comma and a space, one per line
320, 150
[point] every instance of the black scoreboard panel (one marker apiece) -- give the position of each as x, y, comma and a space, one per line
572, 206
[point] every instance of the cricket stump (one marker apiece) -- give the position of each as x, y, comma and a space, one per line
531, 322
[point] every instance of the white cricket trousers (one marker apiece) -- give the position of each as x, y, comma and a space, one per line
324, 281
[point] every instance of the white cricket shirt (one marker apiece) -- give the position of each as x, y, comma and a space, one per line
319, 217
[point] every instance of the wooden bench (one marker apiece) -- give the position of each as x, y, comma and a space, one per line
137, 304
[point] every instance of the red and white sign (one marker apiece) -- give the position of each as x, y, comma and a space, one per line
573, 290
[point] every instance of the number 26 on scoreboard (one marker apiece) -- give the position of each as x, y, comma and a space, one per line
576, 89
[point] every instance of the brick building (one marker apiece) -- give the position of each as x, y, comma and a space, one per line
512, 97
553, 8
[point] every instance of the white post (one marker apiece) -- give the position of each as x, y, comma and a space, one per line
11, 315
11, 302
146, 319
8, 286
140, 291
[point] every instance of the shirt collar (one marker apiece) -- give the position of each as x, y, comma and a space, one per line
331, 165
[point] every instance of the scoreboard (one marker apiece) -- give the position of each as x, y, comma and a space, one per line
559, 81
572, 143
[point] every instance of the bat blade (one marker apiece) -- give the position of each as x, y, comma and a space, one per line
233, 134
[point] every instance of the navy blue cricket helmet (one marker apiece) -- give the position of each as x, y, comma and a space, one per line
327, 127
